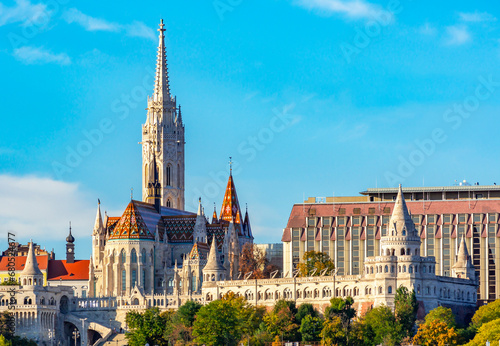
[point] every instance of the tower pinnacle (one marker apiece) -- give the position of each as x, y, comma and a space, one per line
162, 87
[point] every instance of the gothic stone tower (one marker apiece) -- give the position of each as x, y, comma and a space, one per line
163, 137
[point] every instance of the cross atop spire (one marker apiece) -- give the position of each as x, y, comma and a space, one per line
162, 87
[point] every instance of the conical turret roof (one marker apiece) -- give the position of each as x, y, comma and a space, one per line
213, 258
31, 265
463, 254
400, 222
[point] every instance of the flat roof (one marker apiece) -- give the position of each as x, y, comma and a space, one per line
457, 188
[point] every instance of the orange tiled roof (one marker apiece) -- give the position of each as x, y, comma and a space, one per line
230, 210
61, 270
21, 260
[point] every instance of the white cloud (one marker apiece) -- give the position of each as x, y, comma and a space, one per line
23, 12
351, 8
41, 208
89, 23
457, 35
139, 29
135, 29
39, 55
476, 17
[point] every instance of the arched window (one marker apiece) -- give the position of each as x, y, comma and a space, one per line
133, 256
380, 290
402, 252
389, 290
169, 175
143, 278
124, 280
386, 269
392, 269
169, 204
404, 268
134, 277
410, 269
123, 256
143, 256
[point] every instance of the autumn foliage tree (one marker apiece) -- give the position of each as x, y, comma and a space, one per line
314, 263
253, 260
435, 333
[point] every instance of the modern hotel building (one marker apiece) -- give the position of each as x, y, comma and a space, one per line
349, 229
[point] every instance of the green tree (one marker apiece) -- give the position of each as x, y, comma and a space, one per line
304, 310
383, 326
223, 322
488, 331
361, 334
7, 324
339, 311
149, 327
280, 322
441, 314
333, 332
342, 308
4, 341
186, 313
310, 328
314, 263
405, 310
486, 313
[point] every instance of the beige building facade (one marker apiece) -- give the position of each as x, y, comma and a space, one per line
350, 229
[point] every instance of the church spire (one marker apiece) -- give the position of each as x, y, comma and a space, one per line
162, 87
230, 206
214, 216
98, 225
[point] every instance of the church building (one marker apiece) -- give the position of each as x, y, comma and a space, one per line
156, 246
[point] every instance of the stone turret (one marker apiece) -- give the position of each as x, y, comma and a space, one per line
200, 227
213, 270
401, 237
31, 274
463, 267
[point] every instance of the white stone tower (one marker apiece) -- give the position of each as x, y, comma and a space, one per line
163, 137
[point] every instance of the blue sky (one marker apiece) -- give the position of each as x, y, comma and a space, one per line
309, 97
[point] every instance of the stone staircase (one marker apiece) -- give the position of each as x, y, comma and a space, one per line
115, 339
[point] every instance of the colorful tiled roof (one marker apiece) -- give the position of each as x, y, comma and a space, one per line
230, 210
60, 270
131, 225
199, 251
180, 228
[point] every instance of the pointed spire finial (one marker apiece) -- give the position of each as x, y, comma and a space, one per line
162, 89
230, 165
131, 193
